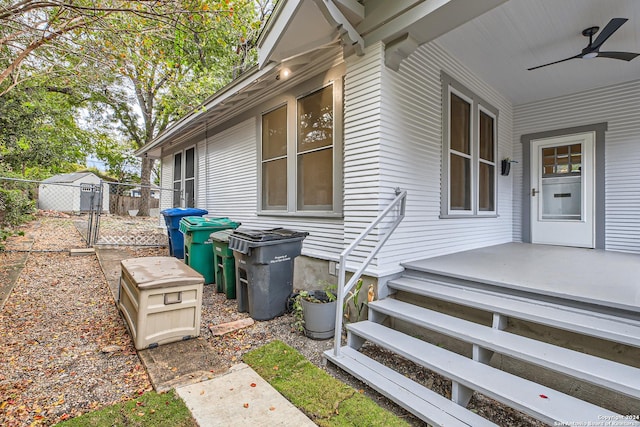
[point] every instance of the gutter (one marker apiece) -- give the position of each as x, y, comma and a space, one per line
251, 76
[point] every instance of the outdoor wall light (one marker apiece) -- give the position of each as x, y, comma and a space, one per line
506, 166
283, 74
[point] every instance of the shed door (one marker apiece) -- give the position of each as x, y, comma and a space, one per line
88, 192
562, 191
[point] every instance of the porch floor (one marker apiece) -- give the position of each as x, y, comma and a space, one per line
605, 278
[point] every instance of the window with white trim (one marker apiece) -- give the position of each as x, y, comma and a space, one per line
299, 160
184, 178
469, 181
274, 159
315, 150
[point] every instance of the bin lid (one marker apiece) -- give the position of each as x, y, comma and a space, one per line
198, 223
184, 212
221, 236
268, 235
160, 272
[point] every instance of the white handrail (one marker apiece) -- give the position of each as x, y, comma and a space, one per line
400, 200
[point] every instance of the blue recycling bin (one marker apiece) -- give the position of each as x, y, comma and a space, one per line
172, 219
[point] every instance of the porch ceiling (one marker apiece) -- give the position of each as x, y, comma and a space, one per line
501, 44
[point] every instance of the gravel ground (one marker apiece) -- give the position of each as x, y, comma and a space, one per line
64, 349
139, 231
217, 309
53, 330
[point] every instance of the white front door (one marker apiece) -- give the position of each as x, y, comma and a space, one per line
562, 190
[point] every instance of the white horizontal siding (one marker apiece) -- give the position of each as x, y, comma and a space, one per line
228, 185
619, 107
202, 171
228, 168
362, 115
411, 154
166, 181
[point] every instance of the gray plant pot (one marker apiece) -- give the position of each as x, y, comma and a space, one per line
319, 318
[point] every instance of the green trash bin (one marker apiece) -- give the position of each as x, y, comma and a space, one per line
224, 264
197, 243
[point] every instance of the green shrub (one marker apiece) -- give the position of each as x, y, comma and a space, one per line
16, 205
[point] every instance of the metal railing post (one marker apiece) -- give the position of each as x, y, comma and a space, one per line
90, 218
99, 212
400, 200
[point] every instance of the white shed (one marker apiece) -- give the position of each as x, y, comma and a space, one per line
71, 192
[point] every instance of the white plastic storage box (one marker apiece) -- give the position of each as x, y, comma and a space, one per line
161, 300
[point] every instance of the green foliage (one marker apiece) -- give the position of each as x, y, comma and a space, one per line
353, 300
118, 157
330, 290
5, 233
158, 69
16, 198
327, 401
38, 131
310, 296
16, 205
149, 410
107, 78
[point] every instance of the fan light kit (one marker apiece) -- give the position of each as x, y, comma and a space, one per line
593, 48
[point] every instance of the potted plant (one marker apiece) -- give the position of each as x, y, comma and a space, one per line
315, 312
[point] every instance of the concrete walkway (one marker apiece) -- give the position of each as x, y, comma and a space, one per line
240, 398
215, 396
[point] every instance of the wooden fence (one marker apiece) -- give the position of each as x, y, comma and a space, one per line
121, 205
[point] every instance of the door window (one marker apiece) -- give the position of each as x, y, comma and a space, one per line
184, 178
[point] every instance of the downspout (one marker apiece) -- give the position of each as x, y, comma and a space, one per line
206, 164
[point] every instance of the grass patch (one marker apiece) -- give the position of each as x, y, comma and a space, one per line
327, 401
148, 410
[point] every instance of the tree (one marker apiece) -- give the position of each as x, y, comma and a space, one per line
160, 71
118, 156
38, 33
38, 131
139, 64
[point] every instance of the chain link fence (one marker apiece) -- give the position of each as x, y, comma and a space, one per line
122, 226
105, 213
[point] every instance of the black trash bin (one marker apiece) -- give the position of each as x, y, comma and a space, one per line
264, 269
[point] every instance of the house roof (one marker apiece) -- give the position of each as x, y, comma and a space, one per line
252, 88
195, 121
497, 39
298, 26
68, 177
303, 37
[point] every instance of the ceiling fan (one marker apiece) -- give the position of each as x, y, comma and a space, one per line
593, 48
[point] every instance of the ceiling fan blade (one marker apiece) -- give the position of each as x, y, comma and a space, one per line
624, 56
611, 28
555, 62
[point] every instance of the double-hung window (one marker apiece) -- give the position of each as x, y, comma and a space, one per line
184, 178
299, 159
274, 159
315, 151
469, 183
